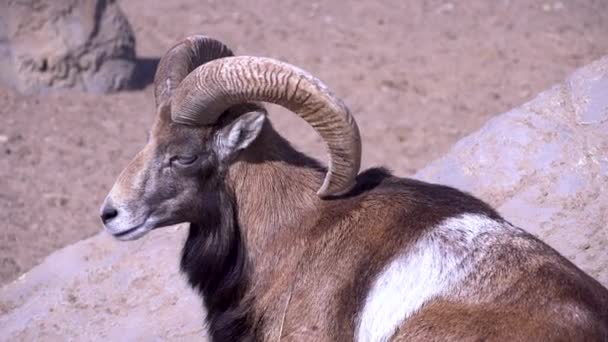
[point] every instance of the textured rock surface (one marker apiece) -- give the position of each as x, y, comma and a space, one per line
86, 45
545, 165
101, 290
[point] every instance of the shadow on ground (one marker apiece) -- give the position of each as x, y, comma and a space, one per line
144, 72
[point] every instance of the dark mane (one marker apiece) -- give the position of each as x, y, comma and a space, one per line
215, 261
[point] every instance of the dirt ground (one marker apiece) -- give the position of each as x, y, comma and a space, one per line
418, 75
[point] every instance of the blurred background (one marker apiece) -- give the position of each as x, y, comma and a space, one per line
417, 75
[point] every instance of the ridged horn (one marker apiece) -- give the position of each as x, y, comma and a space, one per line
181, 59
217, 85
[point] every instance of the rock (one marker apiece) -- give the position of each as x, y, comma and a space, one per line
102, 290
87, 45
545, 165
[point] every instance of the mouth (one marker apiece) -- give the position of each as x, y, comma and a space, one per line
137, 231
134, 232
127, 232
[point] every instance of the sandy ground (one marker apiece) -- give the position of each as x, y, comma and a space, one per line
418, 75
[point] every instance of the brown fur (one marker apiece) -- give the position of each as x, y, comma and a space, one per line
522, 291
310, 262
337, 247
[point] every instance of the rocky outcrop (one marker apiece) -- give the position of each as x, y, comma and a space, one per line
544, 165
87, 45
102, 290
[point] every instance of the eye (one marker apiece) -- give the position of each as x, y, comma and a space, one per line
184, 160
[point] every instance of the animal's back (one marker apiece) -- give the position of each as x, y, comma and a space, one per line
454, 269
518, 289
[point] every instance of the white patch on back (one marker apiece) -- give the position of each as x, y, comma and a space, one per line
429, 268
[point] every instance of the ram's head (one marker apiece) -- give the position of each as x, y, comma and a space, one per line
207, 114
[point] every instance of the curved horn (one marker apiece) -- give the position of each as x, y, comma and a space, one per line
215, 86
181, 59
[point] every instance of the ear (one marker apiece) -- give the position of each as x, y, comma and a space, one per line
239, 134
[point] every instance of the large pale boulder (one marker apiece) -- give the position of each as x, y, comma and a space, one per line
545, 165
87, 45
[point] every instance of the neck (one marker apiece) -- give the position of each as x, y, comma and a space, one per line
276, 186
266, 193
215, 260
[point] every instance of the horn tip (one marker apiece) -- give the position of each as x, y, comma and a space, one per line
328, 190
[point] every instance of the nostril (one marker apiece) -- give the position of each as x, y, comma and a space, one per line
108, 213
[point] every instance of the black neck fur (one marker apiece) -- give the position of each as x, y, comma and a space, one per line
215, 261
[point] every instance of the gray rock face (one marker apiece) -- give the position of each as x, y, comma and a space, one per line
544, 165
102, 290
87, 45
